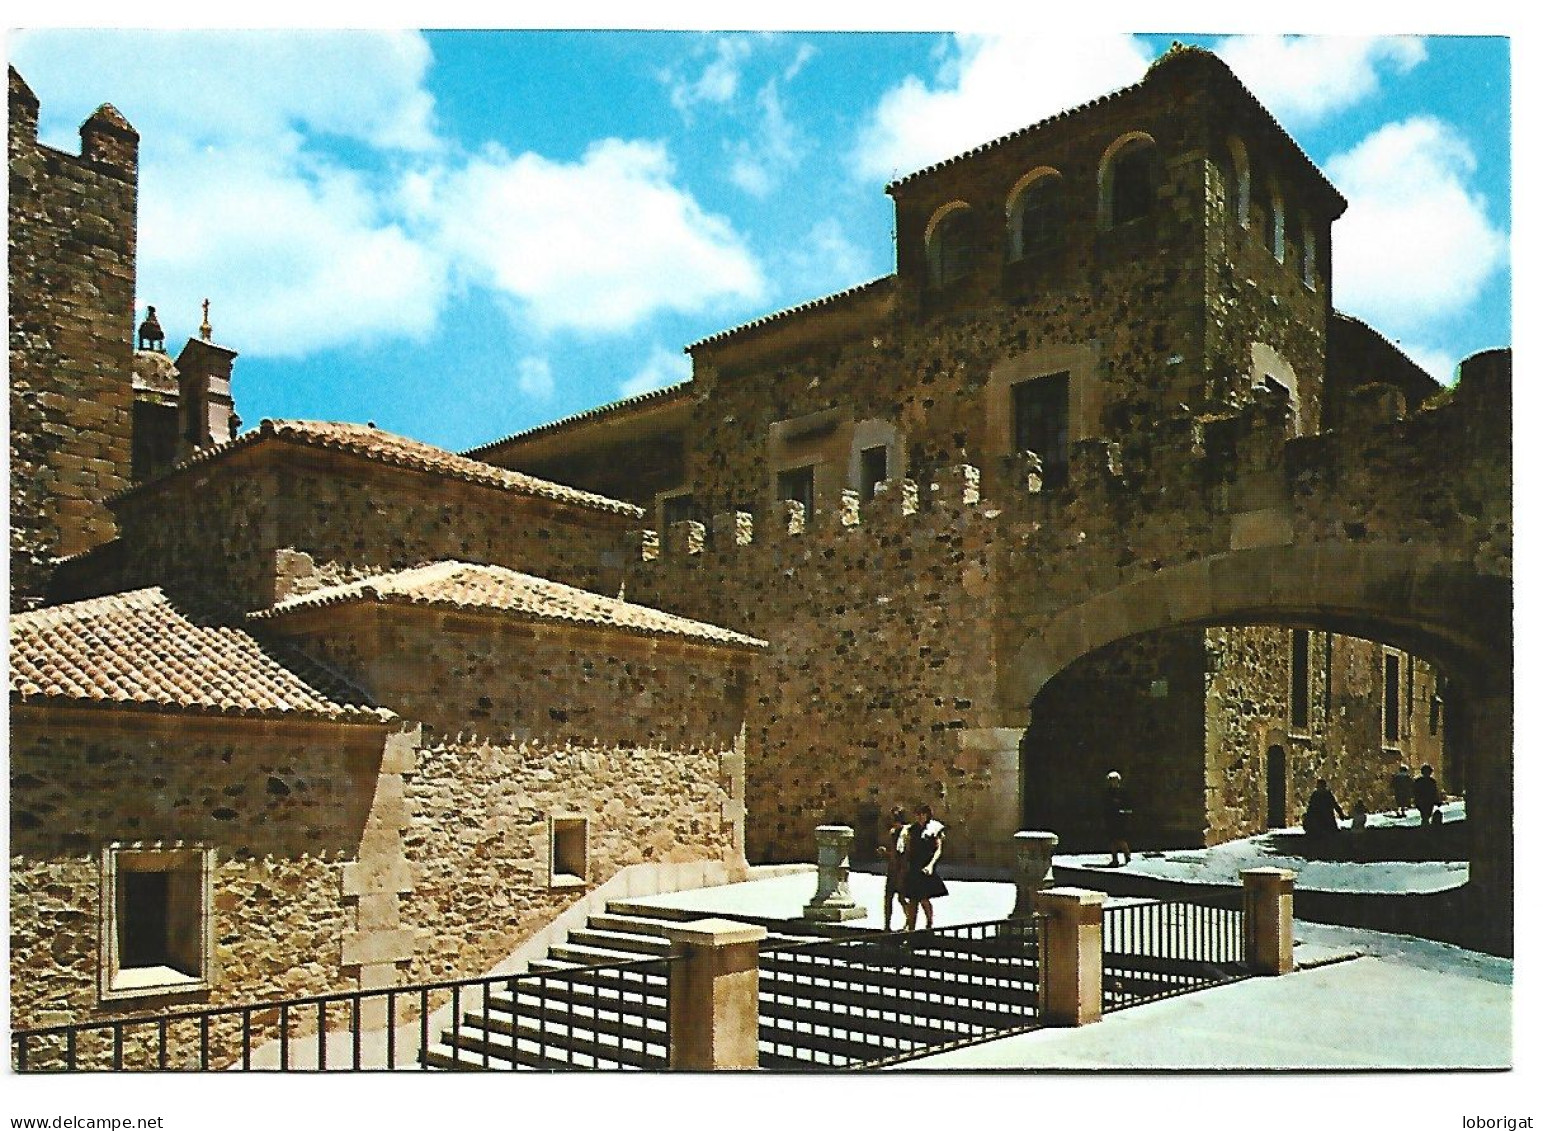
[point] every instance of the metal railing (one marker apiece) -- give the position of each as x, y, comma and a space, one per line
610, 1016
1159, 949
863, 1002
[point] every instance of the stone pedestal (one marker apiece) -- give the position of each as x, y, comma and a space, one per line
832, 902
1267, 910
714, 1005
1071, 971
1031, 868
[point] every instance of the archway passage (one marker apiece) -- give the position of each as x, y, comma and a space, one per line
1407, 599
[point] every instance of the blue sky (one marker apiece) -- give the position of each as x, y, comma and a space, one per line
461, 234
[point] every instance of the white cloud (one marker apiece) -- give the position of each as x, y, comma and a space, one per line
1439, 363
1416, 244
718, 81
760, 162
598, 244
1303, 79
987, 86
533, 376
663, 367
825, 260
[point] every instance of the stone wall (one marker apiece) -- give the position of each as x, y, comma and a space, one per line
275, 520
283, 806
71, 232
524, 723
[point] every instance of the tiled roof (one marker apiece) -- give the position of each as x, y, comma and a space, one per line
142, 650
399, 451
813, 304
678, 391
485, 588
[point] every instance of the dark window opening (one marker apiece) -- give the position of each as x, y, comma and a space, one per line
1041, 422
1040, 225
797, 483
873, 470
1299, 679
678, 508
1133, 188
160, 920
949, 253
1390, 689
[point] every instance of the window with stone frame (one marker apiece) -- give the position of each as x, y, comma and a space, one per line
951, 248
797, 484
677, 508
1133, 182
156, 926
1301, 687
1041, 422
1038, 222
569, 851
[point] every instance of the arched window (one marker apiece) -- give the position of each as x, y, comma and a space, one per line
1293, 249
1240, 180
1275, 227
950, 245
1035, 214
1131, 181
1309, 255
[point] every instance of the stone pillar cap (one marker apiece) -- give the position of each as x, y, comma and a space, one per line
1027, 834
1080, 895
714, 932
1270, 873
829, 829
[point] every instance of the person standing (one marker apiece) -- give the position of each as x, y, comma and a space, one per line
893, 849
1322, 808
1427, 794
1117, 811
1403, 790
923, 849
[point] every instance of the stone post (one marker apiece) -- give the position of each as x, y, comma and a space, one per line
1267, 903
715, 1012
832, 902
1071, 956
1031, 868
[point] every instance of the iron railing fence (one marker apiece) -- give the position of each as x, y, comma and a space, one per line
1158, 949
610, 1016
864, 1002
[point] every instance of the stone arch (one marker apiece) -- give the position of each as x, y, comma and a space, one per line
1036, 181
1117, 163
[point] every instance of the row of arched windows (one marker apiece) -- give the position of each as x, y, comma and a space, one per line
1127, 191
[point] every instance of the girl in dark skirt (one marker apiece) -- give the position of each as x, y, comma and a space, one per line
894, 863
922, 847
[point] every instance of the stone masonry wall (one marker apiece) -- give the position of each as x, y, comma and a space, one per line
283, 807
256, 529
521, 724
71, 244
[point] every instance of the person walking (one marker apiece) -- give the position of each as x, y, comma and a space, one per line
1427, 794
893, 850
923, 849
1319, 820
1117, 811
1403, 790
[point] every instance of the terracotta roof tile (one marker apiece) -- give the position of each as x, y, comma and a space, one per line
142, 649
485, 588
801, 308
399, 451
651, 398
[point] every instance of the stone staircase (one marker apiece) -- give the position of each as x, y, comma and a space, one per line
894, 999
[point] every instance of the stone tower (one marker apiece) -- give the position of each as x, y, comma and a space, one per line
72, 272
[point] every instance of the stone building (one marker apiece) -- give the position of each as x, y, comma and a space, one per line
1097, 478
1137, 267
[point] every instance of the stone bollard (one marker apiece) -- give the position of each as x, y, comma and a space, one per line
715, 1012
1267, 937
1031, 868
1071, 956
832, 902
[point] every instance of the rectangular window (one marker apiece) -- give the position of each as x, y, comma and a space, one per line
156, 929
677, 508
797, 483
874, 469
569, 851
1390, 689
1299, 679
1041, 422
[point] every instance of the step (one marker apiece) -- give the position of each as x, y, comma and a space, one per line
992, 1015
590, 955
557, 1048
626, 941
893, 1034
602, 998
633, 924
924, 962
633, 980
654, 911
820, 1050
781, 979
551, 1026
